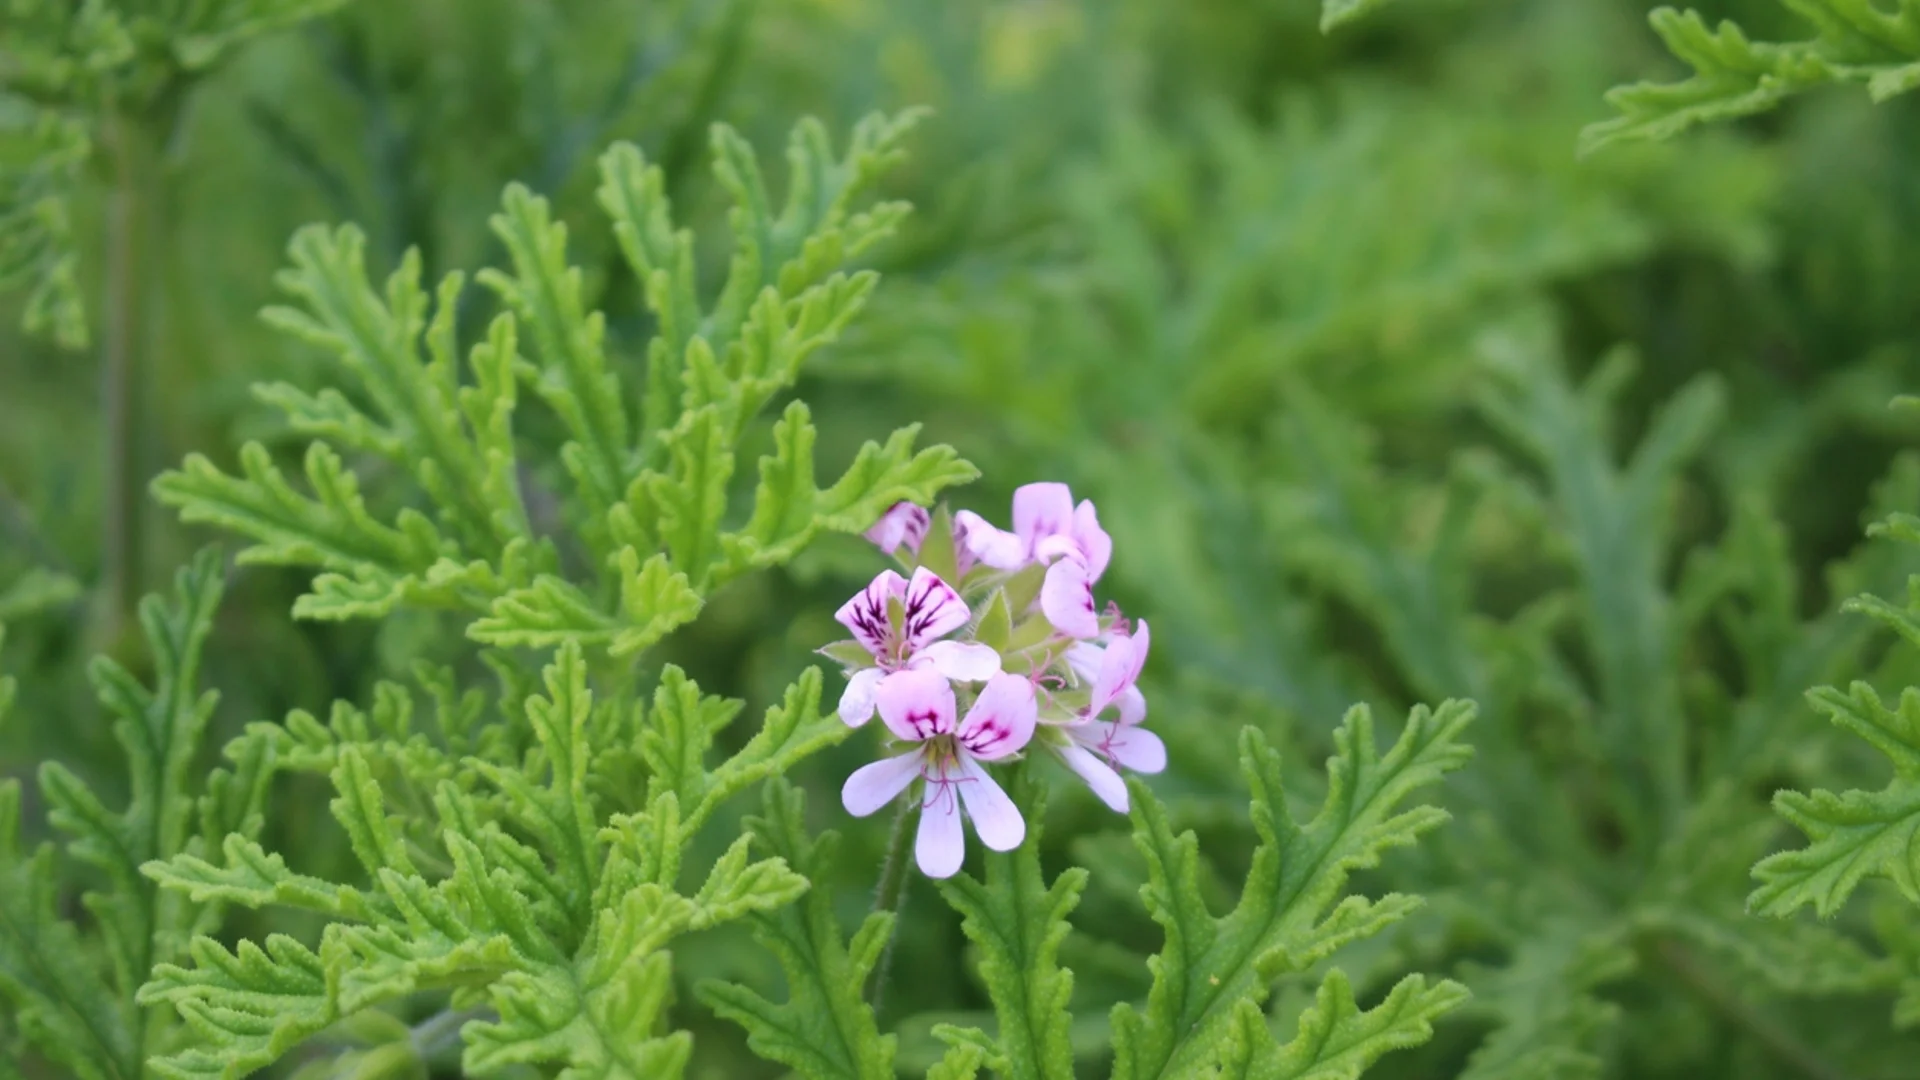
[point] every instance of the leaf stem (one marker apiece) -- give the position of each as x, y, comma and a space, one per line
432, 1036
891, 893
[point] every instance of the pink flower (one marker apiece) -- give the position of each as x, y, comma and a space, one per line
899, 624
1049, 528
918, 707
1097, 747
903, 523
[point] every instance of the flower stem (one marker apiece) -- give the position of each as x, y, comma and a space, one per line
891, 893
134, 158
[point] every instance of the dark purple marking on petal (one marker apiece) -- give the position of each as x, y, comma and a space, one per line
923, 603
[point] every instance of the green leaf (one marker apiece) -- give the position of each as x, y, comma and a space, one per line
1337, 1039
960, 1063
332, 529
1733, 75
559, 814
1631, 626
41, 154
573, 377
1799, 958
75, 997
655, 600
789, 511
61, 1003
824, 1031
35, 591
1550, 1020
419, 401
1018, 921
691, 497
791, 732
1853, 834
1337, 13
255, 878
1282, 921
249, 1006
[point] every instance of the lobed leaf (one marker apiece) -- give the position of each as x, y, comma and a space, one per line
1209, 965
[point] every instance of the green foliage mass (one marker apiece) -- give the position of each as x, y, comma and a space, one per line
1399, 371
74, 75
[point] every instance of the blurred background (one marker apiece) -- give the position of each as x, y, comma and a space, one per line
1383, 393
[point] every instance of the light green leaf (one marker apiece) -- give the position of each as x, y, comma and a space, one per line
34, 591
572, 375
1017, 920
1854, 41
1209, 965
74, 998
824, 1031
1852, 834
1337, 13
1337, 1039
41, 154
789, 511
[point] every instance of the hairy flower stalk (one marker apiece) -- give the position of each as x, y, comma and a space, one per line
1017, 641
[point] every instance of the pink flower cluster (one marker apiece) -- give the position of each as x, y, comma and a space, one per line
994, 643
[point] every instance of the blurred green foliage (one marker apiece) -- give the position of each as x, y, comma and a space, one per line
1386, 394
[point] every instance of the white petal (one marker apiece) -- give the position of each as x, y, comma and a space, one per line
1103, 780
1066, 598
1137, 749
866, 614
941, 844
1084, 658
874, 786
933, 610
997, 548
916, 705
961, 661
856, 704
994, 816
1133, 706
1040, 511
1001, 719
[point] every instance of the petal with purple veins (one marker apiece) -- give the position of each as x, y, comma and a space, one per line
1066, 598
903, 523
916, 705
1001, 720
995, 547
933, 610
1041, 511
866, 614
